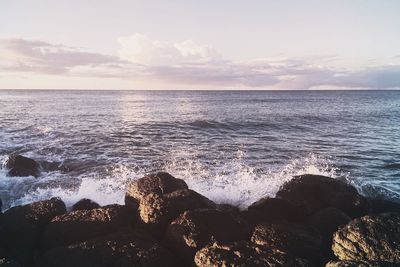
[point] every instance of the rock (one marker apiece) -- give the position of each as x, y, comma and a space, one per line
379, 205
194, 229
22, 166
315, 192
159, 183
298, 240
81, 225
158, 211
273, 210
369, 238
85, 204
21, 226
244, 254
358, 264
124, 248
1, 205
4, 262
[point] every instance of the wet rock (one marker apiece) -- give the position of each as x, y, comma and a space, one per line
369, 238
81, 225
358, 264
194, 229
298, 240
4, 262
315, 192
123, 249
379, 205
245, 254
159, 183
85, 204
273, 210
21, 226
22, 166
158, 211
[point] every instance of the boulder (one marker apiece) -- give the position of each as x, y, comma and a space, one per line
22, 166
159, 183
273, 210
81, 225
315, 192
158, 211
85, 204
194, 229
369, 238
124, 248
358, 264
21, 226
380, 205
244, 253
298, 240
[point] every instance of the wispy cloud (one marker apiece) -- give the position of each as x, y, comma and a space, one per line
189, 63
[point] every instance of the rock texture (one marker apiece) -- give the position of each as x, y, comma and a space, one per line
244, 254
370, 238
194, 229
22, 166
81, 225
358, 264
85, 204
315, 192
123, 249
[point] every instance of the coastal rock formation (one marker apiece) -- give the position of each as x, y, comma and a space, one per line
21, 226
159, 183
22, 166
85, 204
81, 225
298, 240
370, 238
4, 262
379, 205
124, 248
315, 192
194, 229
358, 264
245, 254
158, 211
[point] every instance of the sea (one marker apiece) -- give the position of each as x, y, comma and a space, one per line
234, 147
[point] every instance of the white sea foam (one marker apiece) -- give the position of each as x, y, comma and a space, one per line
234, 182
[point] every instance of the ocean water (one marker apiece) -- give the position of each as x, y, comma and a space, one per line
232, 146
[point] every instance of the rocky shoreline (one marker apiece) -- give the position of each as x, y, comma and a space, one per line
312, 221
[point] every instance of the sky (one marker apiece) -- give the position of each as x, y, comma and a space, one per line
155, 45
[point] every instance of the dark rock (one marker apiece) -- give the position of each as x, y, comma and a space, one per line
123, 249
194, 229
21, 226
158, 211
359, 264
4, 262
85, 204
160, 183
1, 205
273, 210
245, 254
22, 166
369, 238
315, 192
81, 225
379, 205
298, 240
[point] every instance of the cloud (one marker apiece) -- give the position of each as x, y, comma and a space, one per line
189, 64
138, 48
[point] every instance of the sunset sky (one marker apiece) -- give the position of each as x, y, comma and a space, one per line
121, 44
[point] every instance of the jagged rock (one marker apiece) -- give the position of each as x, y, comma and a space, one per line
358, 264
22, 166
379, 205
123, 249
370, 238
245, 254
157, 211
21, 226
273, 210
315, 192
81, 225
159, 183
194, 229
85, 204
298, 240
